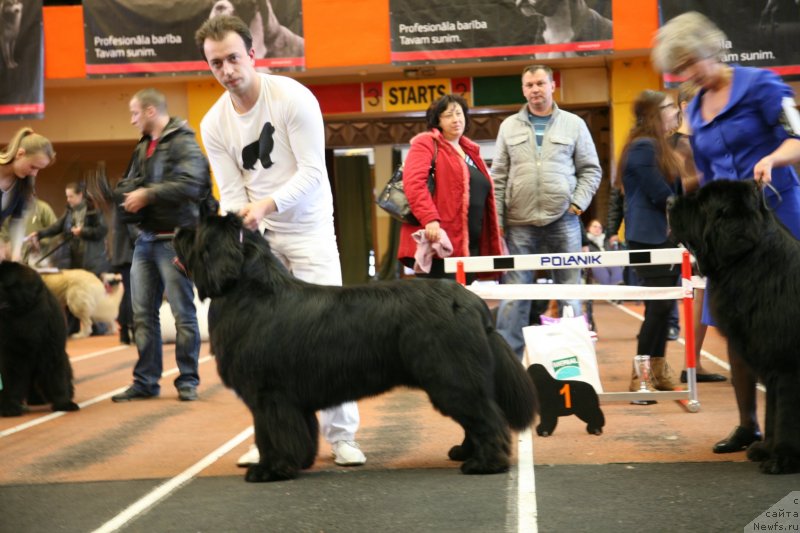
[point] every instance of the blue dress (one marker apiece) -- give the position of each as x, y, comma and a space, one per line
747, 129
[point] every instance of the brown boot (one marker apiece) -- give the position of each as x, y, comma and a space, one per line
663, 377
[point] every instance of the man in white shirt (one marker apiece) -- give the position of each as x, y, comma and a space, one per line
265, 141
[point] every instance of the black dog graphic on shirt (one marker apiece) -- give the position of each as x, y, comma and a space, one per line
259, 150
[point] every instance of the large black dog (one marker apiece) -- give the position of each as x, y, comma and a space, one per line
33, 338
752, 263
290, 348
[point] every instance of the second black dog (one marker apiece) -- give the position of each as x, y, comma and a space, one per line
33, 338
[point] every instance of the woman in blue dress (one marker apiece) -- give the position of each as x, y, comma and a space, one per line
740, 121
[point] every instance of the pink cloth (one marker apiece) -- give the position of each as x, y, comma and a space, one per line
423, 257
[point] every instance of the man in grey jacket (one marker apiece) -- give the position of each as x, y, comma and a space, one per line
545, 173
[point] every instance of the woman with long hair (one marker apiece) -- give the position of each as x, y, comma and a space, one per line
20, 162
650, 173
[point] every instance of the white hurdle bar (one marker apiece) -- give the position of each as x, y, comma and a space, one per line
663, 256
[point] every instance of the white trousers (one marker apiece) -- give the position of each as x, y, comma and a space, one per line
315, 258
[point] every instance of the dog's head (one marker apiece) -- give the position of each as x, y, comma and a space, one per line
720, 223
212, 254
20, 287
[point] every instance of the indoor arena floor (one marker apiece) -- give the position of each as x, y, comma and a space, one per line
162, 465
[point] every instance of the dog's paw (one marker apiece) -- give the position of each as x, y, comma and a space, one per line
474, 467
12, 410
66, 406
594, 431
543, 431
260, 473
759, 451
780, 464
458, 453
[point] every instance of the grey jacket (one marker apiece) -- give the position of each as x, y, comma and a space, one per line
535, 187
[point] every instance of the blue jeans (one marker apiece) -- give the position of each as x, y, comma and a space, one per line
153, 272
560, 236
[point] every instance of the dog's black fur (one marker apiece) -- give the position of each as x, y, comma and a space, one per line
290, 348
752, 263
583, 402
33, 339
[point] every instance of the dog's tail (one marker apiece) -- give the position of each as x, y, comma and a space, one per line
514, 388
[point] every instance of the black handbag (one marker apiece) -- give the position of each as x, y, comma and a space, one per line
393, 198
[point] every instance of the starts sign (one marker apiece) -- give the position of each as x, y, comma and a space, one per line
414, 95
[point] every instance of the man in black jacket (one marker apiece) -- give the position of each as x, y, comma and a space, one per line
174, 181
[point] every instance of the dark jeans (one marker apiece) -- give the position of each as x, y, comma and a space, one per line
153, 272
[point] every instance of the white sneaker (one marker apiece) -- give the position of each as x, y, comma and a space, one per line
348, 453
251, 457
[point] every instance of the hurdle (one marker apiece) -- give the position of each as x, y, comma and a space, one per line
664, 256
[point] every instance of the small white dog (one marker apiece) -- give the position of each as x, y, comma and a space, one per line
87, 297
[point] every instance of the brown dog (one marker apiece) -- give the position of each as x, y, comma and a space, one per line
86, 297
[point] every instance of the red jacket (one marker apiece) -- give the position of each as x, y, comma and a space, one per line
450, 201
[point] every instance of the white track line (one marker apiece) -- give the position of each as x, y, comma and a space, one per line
165, 489
527, 511
80, 358
52, 416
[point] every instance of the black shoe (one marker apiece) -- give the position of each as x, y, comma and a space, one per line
705, 378
130, 394
739, 439
673, 333
187, 393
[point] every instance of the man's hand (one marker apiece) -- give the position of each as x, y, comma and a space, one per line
253, 212
135, 200
76, 231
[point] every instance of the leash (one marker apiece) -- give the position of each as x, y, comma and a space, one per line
770, 186
51, 252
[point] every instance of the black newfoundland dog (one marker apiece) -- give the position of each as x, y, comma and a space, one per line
290, 348
753, 265
33, 337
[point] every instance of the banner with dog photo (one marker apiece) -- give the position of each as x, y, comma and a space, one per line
153, 37
761, 33
21, 60
443, 31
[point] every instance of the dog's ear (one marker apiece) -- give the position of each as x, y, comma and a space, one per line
20, 287
734, 223
217, 255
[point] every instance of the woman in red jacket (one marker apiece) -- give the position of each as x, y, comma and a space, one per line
462, 204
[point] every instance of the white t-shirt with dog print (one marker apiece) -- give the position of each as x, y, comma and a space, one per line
275, 149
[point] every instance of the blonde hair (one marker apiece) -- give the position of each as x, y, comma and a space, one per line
686, 37
31, 142
686, 91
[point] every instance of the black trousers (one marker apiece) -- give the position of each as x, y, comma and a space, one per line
655, 328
